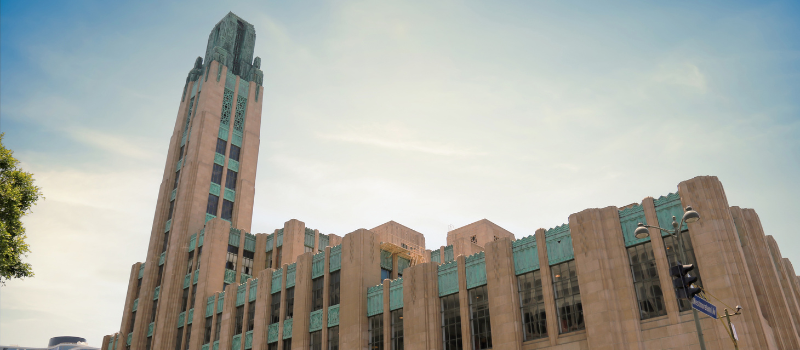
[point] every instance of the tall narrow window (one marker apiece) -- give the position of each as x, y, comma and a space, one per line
278, 258
268, 264
149, 343
568, 297
230, 180
190, 262
251, 315
272, 346
188, 336
166, 240
232, 258
199, 254
315, 341
479, 318
216, 174
180, 154
289, 303
375, 332
218, 326
645, 281
534, 318
386, 274
177, 176
247, 262
221, 145
185, 299
275, 310
673, 256
234, 152
397, 329
160, 275
317, 285
287, 344
213, 201
180, 337
239, 325
227, 209
333, 338
207, 334
333, 292
133, 321
194, 296
171, 208
138, 287
451, 322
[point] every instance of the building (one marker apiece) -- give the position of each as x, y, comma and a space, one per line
209, 284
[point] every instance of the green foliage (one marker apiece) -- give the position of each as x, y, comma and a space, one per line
17, 196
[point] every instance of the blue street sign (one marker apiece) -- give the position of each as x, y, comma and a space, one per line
704, 307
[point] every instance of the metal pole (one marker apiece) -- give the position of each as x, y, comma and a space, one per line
730, 330
694, 311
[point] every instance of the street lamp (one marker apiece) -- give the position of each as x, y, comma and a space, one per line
689, 216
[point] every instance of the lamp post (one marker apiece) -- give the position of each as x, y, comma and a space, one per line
689, 216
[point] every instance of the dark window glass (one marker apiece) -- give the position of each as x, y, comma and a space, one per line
317, 285
239, 325
160, 274
247, 262
207, 335
221, 145
673, 256
289, 303
149, 343
133, 321
213, 201
179, 335
386, 274
232, 258
273, 346
397, 329
194, 296
275, 310
235, 152
217, 326
375, 332
268, 263
199, 254
534, 318
451, 322
188, 336
171, 208
569, 308
190, 262
216, 174
177, 176
645, 281
227, 209
251, 315
185, 299
333, 338
287, 344
278, 258
180, 155
230, 180
138, 287
480, 325
333, 292
315, 341
166, 240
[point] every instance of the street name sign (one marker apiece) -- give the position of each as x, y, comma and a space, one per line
704, 307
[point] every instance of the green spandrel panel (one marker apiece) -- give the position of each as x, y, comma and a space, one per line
150, 328
629, 219
237, 138
279, 238
172, 195
402, 264
244, 88
559, 244
229, 195
277, 276
336, 258
223, 132
526, 255
241, 291
230, 80
249, 242
181, 319
272, 333
667, 207
396, 294
448, 254
386, 260
436, 256
192, 242
135, 305
209, 217
333, 315
161, 258
308, 240
227, 107
219, 159
236, 342
189, 316
214, 189
318, 265
230, 276
244, 277
210, 306
168, 225
315, 321
241, 109
205, 347
233, 165
291, 273
178, 166
216, 345
130, 336
248, 340
323, 241
270, 242
233, 237
475, 267
220, 302
202, 236
448, 278
187, 280
196, 275
375, 300
251, 295
141, 270
287, 328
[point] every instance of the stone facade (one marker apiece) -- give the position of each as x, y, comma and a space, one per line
208, 284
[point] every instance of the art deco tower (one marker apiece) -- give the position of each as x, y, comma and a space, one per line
208, 186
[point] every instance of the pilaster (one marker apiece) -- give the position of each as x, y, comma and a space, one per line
504, 304
360, 270
302, 302
421, 308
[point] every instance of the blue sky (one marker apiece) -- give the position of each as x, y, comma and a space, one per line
426, 113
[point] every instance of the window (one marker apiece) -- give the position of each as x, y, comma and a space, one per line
397, 329
213, 201
315, 342
234, 152
275, 311
403, 245
278, 258
333, 288
333, 338
269, 260
251, 315
177, 176
188, 336
317, 285
673, 257
180, 337
217, 326
289, 303
164, 244
247, 262
308, 249
190, 262
133, 321
138, 287
199, 254
287, 344
153, 311
645, 281
149, 343
230, 180
386, 274
180, 155
375, 332
185, 299
171, 208
232, 258
534, 318
216, 174
239, 320
273, 346
207, 335
227, 209
221, 145
569, 308
160, 274
474, 239
451, 322
194, 296
479, 318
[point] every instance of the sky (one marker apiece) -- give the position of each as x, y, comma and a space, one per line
428, 113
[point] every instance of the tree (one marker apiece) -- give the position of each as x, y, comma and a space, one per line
17, 196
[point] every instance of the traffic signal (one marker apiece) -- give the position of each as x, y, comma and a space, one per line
683, 282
